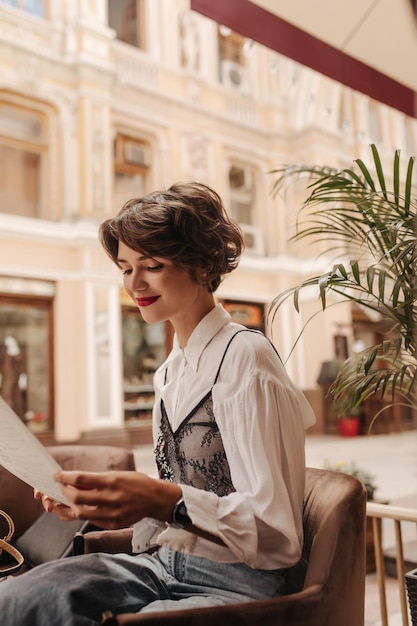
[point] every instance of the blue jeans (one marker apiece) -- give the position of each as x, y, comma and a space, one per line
77, 590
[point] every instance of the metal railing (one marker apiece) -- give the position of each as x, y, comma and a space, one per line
378, 513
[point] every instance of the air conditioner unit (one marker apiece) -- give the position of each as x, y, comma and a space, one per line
253, 239
233, 75
136, 154
241, 179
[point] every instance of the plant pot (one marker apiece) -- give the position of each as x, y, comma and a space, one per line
348, 426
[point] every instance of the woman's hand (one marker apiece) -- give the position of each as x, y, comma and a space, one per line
65, 513
114, 499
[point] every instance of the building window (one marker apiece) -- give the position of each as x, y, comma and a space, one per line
22, 155
34, 7
242, 190
26, 368
127, 17
131, 167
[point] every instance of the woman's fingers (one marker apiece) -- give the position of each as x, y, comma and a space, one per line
83, 480
116, 499
65, 513
88, 488
52, 506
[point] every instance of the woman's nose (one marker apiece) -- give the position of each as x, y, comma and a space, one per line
138, 282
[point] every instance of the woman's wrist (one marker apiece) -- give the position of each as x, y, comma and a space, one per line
170, 494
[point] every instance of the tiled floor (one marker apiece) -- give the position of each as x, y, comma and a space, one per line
392, 460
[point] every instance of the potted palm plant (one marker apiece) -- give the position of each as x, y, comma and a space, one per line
354, 209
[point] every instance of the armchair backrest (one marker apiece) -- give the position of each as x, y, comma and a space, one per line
334, 537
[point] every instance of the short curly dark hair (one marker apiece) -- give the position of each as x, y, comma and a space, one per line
186, 224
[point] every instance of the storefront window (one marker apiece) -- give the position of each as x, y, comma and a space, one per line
249, 314
26, 359
144, 349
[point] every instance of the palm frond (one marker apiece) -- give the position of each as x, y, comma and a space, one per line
354, 210
359, 378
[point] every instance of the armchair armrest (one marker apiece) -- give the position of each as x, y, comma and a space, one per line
110, 541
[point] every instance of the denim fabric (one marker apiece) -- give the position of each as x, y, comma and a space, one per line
75, 591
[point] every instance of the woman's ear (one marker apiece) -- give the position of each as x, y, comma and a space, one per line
203, 277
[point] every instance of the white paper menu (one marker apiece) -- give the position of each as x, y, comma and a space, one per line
24, 456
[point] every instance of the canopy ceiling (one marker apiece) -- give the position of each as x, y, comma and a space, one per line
369, 45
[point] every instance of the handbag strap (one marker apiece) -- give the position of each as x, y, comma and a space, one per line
10, 568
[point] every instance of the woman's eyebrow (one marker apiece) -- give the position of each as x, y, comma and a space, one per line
141, 258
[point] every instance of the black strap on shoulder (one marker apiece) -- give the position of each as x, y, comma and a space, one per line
244, 330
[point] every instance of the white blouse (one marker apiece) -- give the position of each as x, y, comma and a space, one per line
262, 419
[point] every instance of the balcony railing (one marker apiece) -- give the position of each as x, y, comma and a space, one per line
399, 515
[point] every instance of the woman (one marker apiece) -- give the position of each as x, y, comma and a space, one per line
225, 514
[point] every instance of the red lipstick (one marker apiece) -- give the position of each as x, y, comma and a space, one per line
146, 301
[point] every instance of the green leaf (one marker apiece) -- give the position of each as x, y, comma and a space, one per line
296, 299
340, 271
323, 282
396, 177
370, 275
366, 174
356, 271
396, 290
379, 170
370, 360
408, 184
381, 286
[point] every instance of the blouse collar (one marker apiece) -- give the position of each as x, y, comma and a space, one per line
201, 336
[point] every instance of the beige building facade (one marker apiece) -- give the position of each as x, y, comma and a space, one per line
103, 100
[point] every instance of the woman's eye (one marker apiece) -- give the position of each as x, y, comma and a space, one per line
126, 272
155, 268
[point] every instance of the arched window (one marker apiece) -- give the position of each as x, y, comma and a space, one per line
23, 150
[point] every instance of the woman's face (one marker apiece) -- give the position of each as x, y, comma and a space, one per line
161, 289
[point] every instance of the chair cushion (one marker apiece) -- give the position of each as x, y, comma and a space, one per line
48, 538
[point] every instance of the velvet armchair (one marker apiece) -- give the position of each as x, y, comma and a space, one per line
328, 585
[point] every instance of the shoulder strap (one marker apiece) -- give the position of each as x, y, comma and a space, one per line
244, 330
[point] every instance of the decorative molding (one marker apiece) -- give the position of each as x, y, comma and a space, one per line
134, 67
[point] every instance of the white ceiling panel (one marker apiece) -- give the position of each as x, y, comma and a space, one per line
380, 33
